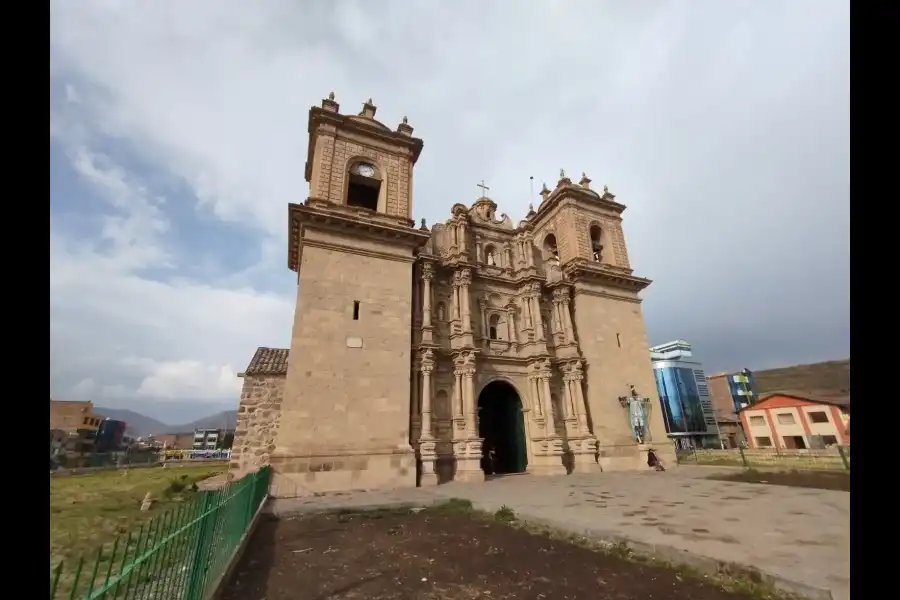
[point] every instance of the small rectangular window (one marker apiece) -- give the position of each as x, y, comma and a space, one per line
757, 421
786, 419
764, 442
818, 417
356, 310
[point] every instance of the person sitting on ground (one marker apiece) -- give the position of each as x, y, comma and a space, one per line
653, 461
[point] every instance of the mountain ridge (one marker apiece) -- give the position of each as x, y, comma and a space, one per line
141, 425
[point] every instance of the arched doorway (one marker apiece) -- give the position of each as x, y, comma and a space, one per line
501, 424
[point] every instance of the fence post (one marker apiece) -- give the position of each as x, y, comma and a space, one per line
844, 457
743, 457
197, 569
252, 491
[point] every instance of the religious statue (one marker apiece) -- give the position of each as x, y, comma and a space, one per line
637, 414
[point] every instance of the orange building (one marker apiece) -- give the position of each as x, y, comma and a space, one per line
797, 420
73, 415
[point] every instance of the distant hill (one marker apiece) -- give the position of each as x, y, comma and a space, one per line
223, 420
831, 376
138, 424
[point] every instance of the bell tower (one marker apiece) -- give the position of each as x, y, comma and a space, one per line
344, 420
580, 229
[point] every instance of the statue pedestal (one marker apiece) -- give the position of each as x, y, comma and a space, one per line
548, 457
665, 453
583, 453
467, 454
427, 456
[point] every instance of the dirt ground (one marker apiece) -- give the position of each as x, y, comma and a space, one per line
822, 480
439, 555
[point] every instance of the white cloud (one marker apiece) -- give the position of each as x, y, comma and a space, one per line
191, 379
189, 334
724, 129
84, 388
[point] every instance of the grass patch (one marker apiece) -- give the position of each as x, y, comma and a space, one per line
455, 505
812, 479
87, 511
505, 513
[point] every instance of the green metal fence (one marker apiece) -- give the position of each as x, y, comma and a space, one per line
178, 555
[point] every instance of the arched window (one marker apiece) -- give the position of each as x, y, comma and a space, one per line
364, 186
596, 247
490, 255
494, 326
549, 249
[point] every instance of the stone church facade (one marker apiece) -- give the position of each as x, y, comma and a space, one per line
479, 346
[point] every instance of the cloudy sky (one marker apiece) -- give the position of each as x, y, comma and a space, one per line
178, 137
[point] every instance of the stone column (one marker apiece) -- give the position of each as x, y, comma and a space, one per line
511, 324
567, 406
538, 320
427, 275
469, 391
463, 245
548, 408
567, 320
427, 368
557, 321
529, 253
478, 253
464, 281
526, 311
457, 394
580, 406
484, 323
507, 256
535, 393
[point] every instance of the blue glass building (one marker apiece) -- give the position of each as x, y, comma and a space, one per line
684, 399
741, 386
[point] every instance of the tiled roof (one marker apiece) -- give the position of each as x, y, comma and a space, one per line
818, 397
268, 361
821, 396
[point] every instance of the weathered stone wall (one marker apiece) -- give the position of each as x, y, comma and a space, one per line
613, 340
350, 387
257, 422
